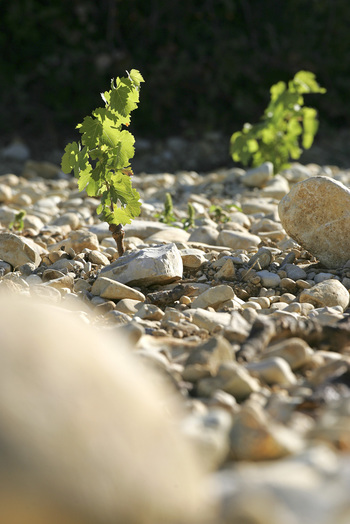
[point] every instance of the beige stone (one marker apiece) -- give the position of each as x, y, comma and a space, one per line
213, 297
327, 293
114, 290
16, 250
316, 214
84, 434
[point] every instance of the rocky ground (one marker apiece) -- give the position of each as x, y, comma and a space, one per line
247, 326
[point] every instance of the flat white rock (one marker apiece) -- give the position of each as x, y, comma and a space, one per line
152, 265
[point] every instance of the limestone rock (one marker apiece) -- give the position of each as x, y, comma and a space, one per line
17, 250
254, 436
205, 234
238, 239
205, 359
108, 288
258, 176
213, 297
153, 265
277, 188
192, 258
83, 424
327, 293
294, 350
78, 240
231, 378
272, 370
316, 214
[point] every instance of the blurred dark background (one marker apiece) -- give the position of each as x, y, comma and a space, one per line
208, 64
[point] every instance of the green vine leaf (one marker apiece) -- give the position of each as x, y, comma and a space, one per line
101, 160
285, 128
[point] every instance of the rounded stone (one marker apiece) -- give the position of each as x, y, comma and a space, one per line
316, 214
238, 239
268, 278
327, 293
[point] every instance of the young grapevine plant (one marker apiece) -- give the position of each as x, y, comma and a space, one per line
101, 160
285, 125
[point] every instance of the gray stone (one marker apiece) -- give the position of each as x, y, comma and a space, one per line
327, 293
16, 250
320, 277
315, 214
294, 272
153, 265
261, 259
269, 279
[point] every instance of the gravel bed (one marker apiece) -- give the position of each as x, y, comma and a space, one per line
247, 328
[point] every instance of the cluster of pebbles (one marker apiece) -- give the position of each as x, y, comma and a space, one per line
245, 324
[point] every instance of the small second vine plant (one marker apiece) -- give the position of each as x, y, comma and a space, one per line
101, 160
285, 126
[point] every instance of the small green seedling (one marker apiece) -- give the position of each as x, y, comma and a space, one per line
286, 122
167, 215
189, 221
221, 215
18, 222
101, 160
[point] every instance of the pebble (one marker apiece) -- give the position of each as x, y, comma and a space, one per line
293, 350
327, 293
269, 279
114, 290
238, 239
272, 370
213, 297
258, 176
255, 437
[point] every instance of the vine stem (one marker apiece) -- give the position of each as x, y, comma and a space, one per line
118, 235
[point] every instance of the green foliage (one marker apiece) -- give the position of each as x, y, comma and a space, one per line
285, 122
101, 161
167, 215
18, 223
189, 221
221, 215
